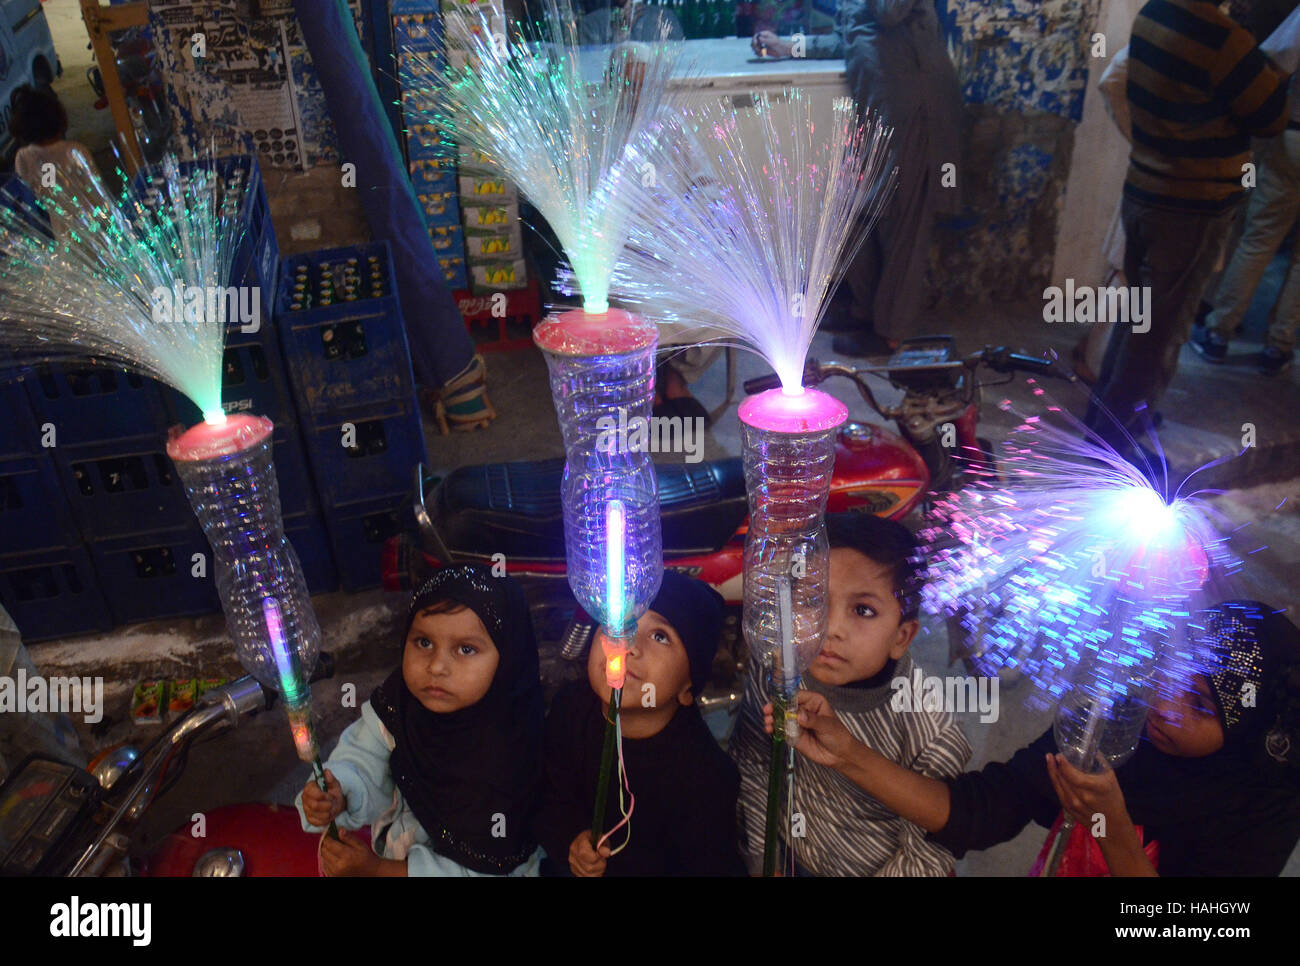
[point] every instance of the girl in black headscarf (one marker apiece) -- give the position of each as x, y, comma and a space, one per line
1216, 782
445, 762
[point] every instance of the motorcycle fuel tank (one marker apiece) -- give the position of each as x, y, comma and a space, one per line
876, 472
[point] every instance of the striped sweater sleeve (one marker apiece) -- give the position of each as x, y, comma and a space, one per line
940, 751
1253, 89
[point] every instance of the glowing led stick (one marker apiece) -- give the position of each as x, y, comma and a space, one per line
297, 696
789, 675
615, 647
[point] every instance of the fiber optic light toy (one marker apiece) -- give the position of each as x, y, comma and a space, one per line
789, 455
1078, 571
225, 466
602, 367
108, 284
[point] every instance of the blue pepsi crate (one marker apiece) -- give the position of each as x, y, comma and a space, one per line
34, 512
358, 532
150, 185
53, 593
256, 257
87, 404
343, 355
293, 473
156, 573
121, 486
257, 265
311, 542
372, 450
17, 426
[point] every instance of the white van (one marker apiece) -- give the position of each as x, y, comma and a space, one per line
26, 56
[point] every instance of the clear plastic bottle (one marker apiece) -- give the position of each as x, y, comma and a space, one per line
602, 381
789, 455
230, 480
1097, 722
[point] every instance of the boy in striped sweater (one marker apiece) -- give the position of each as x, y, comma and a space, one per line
874, 594
1198, 90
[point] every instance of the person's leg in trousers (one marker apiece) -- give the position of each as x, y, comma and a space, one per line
1286, 312
1272, 208
1172, 254
863, 277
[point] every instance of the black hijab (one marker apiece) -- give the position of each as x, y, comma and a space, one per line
1249, 790
472, 776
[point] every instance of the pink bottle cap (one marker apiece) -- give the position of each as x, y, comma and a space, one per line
205, 441
812, 411
579, 333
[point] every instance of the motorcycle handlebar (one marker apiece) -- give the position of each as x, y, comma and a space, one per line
999, 359
1003, 359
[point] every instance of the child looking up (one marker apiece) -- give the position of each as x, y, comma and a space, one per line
684, 818
874, 593
1216, 783
445, 762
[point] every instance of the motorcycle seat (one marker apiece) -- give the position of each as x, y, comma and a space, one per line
514, 508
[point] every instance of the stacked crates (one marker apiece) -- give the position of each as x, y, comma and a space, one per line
472, 213
431, 161
489, 205
47, 579
344, 340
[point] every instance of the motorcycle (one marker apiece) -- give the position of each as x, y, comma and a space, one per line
509, 514
57, 819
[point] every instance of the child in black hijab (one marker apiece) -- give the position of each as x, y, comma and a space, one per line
685, 787
1216, 783
445, 763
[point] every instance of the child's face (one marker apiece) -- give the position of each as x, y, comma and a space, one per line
658, 669
865, 626
1187, 724
449, 660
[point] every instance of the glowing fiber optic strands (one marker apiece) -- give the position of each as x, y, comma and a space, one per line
131, 280
749, 220
602, 378
789, 456
556, 120
230, 481
1072, 568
